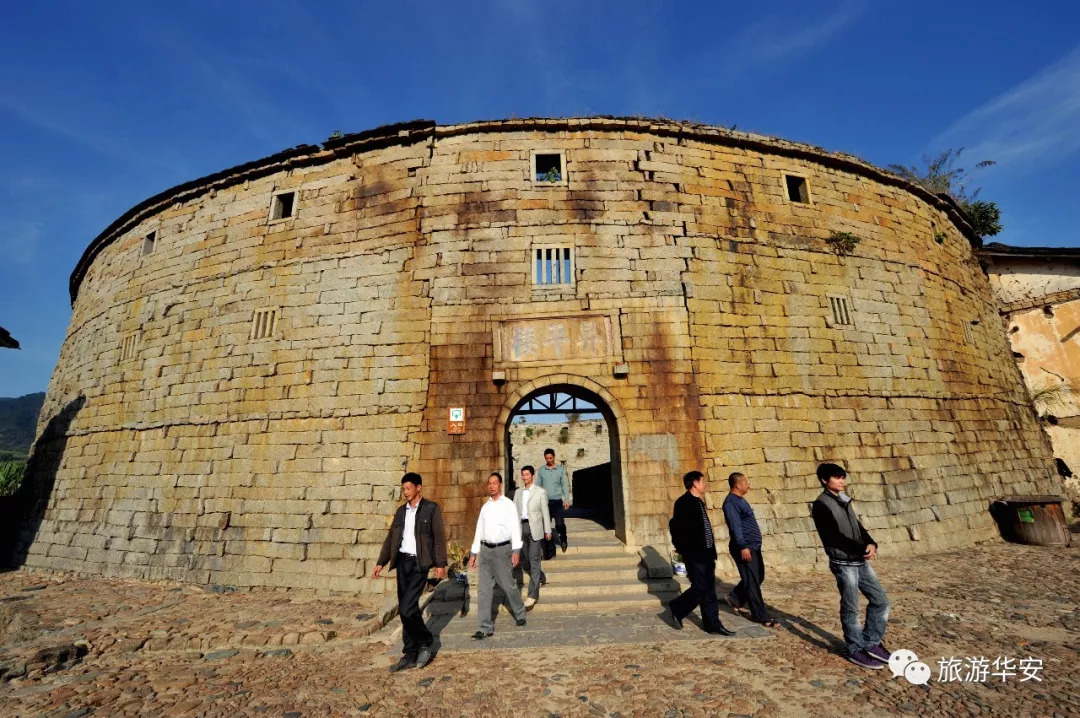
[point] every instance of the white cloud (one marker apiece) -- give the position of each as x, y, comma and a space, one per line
1035, 123
771, 41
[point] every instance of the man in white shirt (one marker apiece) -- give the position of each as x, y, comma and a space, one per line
496, 550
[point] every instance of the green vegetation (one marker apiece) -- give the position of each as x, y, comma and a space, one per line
1052, 395
941, 176
564, 435
843, 242
552, 175
11, 476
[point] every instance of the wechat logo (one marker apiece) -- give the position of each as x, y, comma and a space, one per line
905, 663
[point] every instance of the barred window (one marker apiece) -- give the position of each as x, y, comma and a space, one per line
263, 323
553, 265
840, 311
128, 346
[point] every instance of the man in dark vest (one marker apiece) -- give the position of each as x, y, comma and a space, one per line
692, 534
415, 542
850, 548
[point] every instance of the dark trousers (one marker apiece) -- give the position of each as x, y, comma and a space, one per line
558, 518
751, 576
410, 585
702, 592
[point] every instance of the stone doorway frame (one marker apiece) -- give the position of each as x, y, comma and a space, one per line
608, 407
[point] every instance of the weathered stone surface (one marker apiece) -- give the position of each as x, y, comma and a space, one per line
210, 456
1039, 294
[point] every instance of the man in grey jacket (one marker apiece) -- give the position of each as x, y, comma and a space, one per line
531, 502
850, 548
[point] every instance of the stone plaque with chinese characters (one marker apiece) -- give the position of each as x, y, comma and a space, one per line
555, 340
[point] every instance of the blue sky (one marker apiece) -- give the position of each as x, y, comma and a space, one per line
105, 104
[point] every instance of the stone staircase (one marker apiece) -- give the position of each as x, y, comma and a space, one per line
598, 574
598, 592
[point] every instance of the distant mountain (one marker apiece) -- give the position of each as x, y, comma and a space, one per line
18, 421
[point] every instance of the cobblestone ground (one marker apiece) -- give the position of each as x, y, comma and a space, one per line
167, 650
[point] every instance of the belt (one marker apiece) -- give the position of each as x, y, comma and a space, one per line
406, 555
495, 545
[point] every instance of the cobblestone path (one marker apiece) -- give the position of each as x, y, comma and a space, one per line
77, 647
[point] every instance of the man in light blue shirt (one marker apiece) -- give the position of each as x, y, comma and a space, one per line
552, 478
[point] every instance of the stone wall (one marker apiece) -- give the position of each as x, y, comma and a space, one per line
1021, 279
211, 457
587, 443
1040, 305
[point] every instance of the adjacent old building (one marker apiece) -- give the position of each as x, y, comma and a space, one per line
1039, 292
256, 356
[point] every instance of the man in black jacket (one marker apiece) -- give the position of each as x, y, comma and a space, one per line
692, 534
849, 547
415, 542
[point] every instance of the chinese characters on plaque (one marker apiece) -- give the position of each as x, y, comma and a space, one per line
555, 339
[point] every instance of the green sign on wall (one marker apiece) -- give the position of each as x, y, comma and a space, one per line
1026, 516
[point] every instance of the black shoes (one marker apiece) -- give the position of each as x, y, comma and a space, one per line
520, 622
719, 630
423, 657
563, 544
405, 662
480, 635
676, 620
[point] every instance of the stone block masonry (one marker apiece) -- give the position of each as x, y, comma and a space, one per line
214, 457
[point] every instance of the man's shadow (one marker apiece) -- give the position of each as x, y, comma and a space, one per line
797, 626
450, 599
25, 511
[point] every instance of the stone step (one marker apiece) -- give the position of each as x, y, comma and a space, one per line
604, 588
612, 602
628, 572
596, 559
576, 538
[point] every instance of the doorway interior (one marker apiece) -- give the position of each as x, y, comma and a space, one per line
581, 428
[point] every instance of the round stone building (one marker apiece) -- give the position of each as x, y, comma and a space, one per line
255, 357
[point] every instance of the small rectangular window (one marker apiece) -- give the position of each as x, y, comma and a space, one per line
797, 189
548, 169
282, 205
148, 243
840, 311
969, 330
263, 323
128, 346
553, 265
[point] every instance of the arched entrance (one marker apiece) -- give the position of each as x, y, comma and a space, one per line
600, 488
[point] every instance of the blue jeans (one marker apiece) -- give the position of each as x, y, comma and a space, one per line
851, 580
